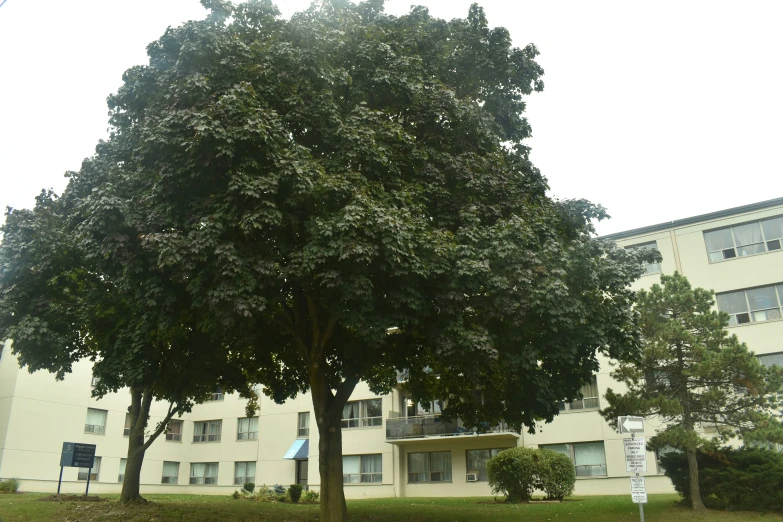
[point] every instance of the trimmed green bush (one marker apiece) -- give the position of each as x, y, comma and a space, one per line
295, 492
512, 472
310, 497
747, 479
249, 487
556, 475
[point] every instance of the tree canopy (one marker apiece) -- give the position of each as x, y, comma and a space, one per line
343, 195
704, 384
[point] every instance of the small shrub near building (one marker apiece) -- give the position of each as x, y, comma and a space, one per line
10, 485
556, 474
518, 472
295, 492
310, 497
747, 479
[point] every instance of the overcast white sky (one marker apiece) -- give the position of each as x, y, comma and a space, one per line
656, 110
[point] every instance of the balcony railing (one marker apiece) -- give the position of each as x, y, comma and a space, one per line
434, 426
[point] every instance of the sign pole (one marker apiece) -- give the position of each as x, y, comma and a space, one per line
60, 482
89, 474
641, 504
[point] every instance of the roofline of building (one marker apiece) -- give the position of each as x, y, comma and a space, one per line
695, 219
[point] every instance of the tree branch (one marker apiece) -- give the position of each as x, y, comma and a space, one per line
162, 425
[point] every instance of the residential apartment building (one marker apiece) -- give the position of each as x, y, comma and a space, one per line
392, 446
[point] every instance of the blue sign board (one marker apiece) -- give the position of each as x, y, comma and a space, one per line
77, 455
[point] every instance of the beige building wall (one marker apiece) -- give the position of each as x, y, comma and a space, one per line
37, 414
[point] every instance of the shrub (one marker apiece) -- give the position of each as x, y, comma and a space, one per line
282, 498
278, 489
556, 475
733, 479
249, 487
512, 472
264, 494
310, 497
295, 492
235, 495
10, 485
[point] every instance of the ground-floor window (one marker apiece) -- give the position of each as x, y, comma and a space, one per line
362, 468
170, 473
92, 473
244, 472
121, 476
589, 458
477, 463
204, 473
429, 467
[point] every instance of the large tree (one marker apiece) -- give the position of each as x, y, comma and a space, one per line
346, 194
693, 376
67, 294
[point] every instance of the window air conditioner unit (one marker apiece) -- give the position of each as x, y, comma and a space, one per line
472, 477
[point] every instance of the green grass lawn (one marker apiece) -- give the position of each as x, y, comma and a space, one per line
662, 508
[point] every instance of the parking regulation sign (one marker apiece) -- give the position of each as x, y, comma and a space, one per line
635, 455
638, 490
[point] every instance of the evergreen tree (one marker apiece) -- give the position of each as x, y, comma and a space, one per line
694, 376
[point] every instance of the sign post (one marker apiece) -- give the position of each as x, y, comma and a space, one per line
635, 458
76, 455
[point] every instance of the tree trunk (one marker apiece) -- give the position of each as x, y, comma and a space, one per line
330, 456
693, 475
139, 413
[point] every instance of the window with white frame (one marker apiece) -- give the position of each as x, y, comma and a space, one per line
216, 395
96, 421
364, 469
589, 458
121, 476
588, 401
303, 424
771, 359
412, 407
244, 472
207, 431
126, 429
93, 474
477, 461
429, 467
363, 413
753, 305
171, 473
649, 268
743, 240
204, 473
247, 428
95, 381
174, 431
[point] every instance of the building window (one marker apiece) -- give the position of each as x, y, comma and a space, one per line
247, 429
126, 430
414, 408
244, 472
589, 458
217, 395
477, 462
174, 430
96, 421
207, 431
171, 473
121, 476
429, 467
754, 305
204, 473
95, 381
96, 470
257, 390
588, 401
650, 268
771, 359
744, 240
303, 429
365, 469
363, 413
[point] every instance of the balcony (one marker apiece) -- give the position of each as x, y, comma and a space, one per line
410, 429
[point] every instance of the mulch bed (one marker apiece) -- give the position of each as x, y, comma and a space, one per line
72, 498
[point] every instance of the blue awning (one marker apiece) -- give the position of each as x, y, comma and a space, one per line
300, 449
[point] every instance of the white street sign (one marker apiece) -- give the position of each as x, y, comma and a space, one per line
630, 424
638, 490
635, 455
